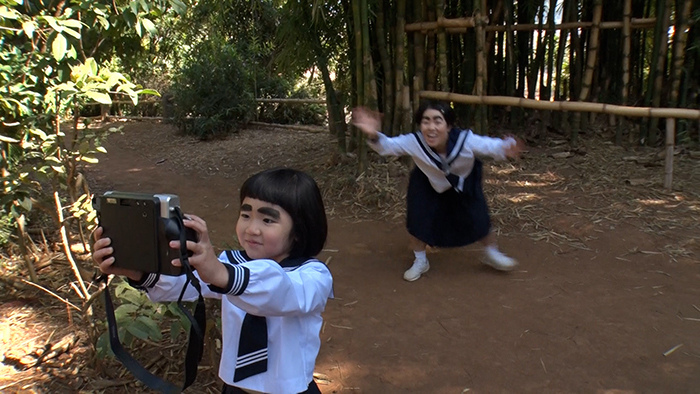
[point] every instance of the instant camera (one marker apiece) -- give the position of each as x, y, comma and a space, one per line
140, 226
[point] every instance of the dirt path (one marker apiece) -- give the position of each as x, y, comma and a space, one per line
593, 314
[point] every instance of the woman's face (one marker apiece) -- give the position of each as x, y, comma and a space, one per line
435, 130
264, 230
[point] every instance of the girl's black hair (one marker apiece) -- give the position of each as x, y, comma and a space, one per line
447, 112
298, 194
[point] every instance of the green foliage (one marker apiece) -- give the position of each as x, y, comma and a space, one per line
139, 318
213, 93
284, 113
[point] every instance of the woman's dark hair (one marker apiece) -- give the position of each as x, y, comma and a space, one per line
447, 112
298, 194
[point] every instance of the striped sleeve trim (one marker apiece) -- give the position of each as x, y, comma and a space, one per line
238, 278
148, 281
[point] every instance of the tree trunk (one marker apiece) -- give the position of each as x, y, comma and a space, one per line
356, 138
443, 81
481, 120
419, 55
679, 43
388, 71
660, 48
626, 51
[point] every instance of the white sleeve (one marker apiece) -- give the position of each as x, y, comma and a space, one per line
489, 146
160, 288
271, 291
392, 146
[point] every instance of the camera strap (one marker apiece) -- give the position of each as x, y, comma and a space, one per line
195, 344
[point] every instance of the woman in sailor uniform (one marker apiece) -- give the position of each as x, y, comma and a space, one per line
272, 292
445, 201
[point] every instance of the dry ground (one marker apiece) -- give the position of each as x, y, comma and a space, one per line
606, 297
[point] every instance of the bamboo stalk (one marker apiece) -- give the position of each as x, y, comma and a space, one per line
668, 165
569, 106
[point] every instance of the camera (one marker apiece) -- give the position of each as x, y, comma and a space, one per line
140, 226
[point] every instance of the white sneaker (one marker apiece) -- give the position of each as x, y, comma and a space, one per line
418, 268
495, 259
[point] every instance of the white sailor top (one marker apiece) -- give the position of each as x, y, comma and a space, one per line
444, 171
290, 295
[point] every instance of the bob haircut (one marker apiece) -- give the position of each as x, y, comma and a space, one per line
298, 194
441, 106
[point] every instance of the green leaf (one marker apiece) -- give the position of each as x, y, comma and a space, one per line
90, 160
8, 13
138, 329
73, 23
102, 98
29, 27
149, 91
175, 328
125, 310
52, 22
26, 203
72, 33
150, 27
59, 47
92, 64
138, 28
154, 331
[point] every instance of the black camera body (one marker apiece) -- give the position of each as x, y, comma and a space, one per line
140, 226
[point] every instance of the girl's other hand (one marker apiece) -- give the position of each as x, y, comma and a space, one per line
515, 150
102, 256
368, 121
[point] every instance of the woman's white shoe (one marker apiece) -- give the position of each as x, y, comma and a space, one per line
495, 259
419, 267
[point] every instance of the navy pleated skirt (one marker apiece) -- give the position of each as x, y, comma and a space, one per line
451, 218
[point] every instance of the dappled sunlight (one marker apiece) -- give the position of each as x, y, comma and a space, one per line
651, 201
333, 375
523, 197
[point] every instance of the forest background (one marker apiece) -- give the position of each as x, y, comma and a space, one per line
213, 67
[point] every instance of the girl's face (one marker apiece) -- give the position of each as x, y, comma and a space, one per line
264, 230
435, 130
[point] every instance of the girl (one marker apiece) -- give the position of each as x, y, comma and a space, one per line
273, 285
445, 201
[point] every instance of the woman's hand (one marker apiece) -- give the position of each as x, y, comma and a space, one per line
203, 259
102, 256
368, 121
514, 150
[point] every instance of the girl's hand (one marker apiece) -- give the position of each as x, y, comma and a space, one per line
102, 256
368, 121
514, 150
203, 259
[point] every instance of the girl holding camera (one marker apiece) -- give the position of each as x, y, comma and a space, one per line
272, 292
446, 206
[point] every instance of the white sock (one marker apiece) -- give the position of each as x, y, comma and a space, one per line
420, 255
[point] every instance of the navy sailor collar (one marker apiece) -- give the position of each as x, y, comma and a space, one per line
240, 256
455, 142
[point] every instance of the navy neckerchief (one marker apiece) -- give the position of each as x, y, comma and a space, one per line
252, 344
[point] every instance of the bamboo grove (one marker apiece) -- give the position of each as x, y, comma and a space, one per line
632, 53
